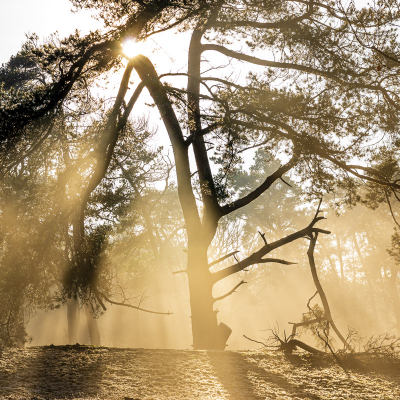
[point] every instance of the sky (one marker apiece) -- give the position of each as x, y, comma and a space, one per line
19, 17
44, 17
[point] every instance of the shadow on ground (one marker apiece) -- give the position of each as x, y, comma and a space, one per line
243, 378
85, 372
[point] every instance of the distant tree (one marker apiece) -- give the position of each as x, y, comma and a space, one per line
317, 96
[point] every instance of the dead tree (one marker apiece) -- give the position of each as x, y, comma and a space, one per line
288, 344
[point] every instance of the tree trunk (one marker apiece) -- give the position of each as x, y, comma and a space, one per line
93, 329
204, 319
321, 292
73, 319
207, 334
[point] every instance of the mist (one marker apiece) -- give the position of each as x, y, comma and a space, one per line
355, 276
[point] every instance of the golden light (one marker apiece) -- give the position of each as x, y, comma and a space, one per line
132, 48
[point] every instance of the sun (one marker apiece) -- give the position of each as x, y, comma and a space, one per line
132, 48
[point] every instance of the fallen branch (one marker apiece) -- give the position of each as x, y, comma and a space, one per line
288, 346
305, 323
293, 343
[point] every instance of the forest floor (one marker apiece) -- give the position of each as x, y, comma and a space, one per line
85, 372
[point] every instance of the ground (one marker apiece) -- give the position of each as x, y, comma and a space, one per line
85, 372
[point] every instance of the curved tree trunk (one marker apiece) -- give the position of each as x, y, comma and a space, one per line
321, 292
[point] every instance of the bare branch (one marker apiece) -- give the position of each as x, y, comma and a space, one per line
318, 210
128, 305
305, 323
256, 341
257, 257
230, 292
309, 300
286, 183
275, 260
321, 292
223, 258
180, 272
263, 237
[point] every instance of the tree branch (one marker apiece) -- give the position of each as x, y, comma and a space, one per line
264, 25
256, 257
230, 292
272, 64
228, 208
223, 258
256, 341
296, 137
275, 260
303, 68
108, 300
180, 272
202, 132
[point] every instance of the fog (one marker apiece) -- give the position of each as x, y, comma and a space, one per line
273, 296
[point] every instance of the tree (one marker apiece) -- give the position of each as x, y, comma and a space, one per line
317, 95
53, 252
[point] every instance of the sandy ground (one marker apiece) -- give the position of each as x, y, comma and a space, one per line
84, 372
